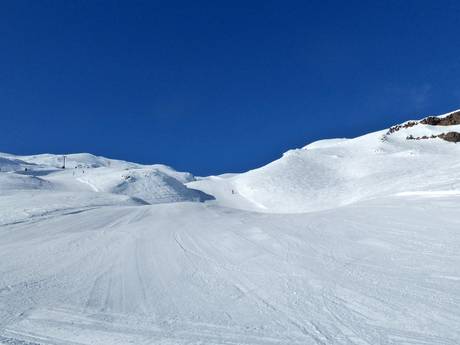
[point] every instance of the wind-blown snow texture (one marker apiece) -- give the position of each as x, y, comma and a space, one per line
345, 241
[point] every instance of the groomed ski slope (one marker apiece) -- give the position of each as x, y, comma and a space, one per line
110, 252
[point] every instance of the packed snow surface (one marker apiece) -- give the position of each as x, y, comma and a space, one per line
346, 241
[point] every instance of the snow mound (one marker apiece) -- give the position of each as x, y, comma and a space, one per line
153, 185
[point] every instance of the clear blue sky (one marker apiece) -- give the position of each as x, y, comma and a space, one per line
213, 86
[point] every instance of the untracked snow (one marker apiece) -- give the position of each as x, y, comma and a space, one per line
345, 241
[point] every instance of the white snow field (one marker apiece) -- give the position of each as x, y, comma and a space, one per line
341, 242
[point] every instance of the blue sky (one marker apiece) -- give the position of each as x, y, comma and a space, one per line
213, 87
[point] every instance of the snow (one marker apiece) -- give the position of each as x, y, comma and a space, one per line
334, 173
341, 242
325, 143
151, 184
76, 160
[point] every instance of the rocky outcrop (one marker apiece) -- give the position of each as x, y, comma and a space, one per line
451, 136
398, 127
449, 120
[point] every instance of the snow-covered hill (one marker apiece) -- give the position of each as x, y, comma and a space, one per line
337, 172
84, 172
344, 241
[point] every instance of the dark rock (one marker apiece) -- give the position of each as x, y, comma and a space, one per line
450, 120
398, 127
451, 136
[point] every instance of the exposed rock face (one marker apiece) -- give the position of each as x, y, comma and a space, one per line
452, 119
398, 127
451, 136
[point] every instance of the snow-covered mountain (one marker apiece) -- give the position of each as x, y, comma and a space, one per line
343, 241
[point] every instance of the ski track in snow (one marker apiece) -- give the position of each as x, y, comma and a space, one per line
92, 186
190, 273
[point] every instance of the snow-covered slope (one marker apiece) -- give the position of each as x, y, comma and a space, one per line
338, 172
382, 272
112, 252
156, 184
85, 172
81, 160
8, 164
